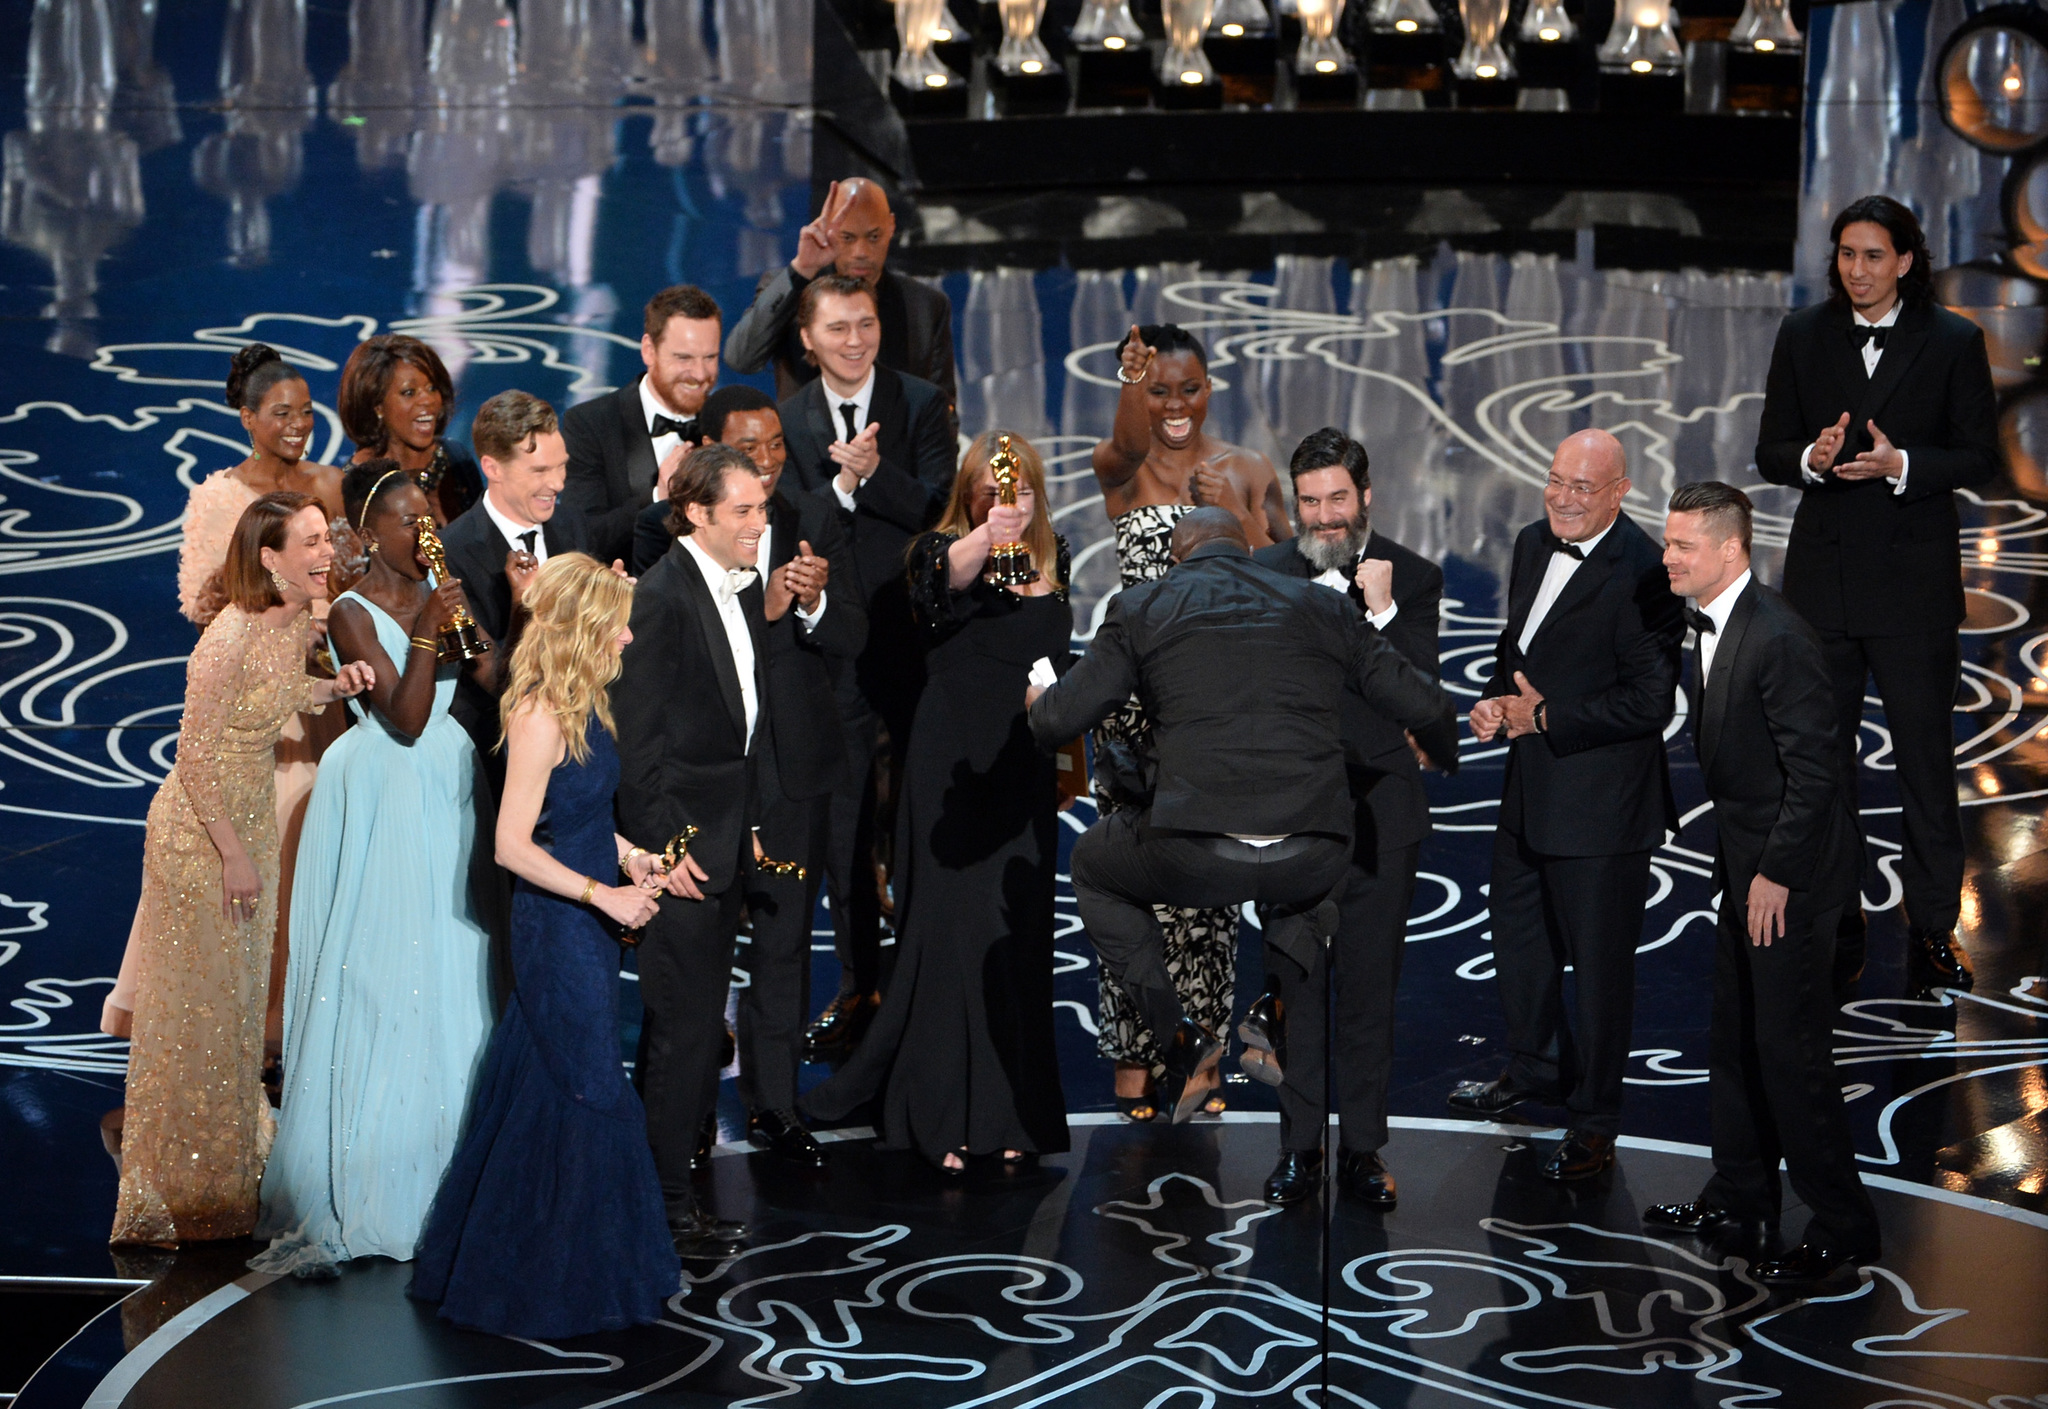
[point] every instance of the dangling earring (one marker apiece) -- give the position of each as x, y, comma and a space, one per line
281, 582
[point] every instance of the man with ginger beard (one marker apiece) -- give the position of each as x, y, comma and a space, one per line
623, 447
850, 237
1399, 593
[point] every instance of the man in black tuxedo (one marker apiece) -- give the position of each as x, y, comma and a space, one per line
1584, 683
850, 237
695, 742
875, 444
1241, 670
1878, 407
1399, 593
498, 543
623, 447
1785, 859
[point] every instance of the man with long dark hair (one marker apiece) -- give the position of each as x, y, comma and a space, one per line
1878, 408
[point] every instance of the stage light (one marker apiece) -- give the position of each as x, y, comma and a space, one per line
1766, 28
942, 35
1483, 56
1765, 46
1486, 71
935, 80
1234, 19
1641, 66
1022, 50
1549, 36
1031, 66
1545, 22
1405, 26
1326, 65
1190, 76
1233, 31
1106, 23
1186, 22
2012, 83
1992, 80
917, 24
1321, 51
1115, 41
1642, 40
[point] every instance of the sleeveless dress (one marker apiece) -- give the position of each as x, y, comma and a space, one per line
388, 997
551, 1222
1201, 945
961, 1051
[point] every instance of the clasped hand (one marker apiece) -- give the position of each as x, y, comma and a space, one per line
801, 580
1881, 461
1516, 712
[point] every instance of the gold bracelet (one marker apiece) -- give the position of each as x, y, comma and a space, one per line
421, 643
589, 889
624, 868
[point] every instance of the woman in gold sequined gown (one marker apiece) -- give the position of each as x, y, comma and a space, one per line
198, 1126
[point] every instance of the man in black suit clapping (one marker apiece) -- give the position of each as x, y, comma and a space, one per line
623, 447
1584, 682
1785, 860
1878, 407
875, 444
1399, 593
1242, 670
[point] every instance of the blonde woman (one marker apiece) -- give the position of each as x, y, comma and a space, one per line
961, 1051
550, 1221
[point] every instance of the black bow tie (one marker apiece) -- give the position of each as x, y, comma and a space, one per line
1701, 622
1558, 545
669, 425
1867, 336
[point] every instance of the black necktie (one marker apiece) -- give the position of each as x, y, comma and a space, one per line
526, 541
848, 410
1701, 622
1558, 545
669, 425
1866, 336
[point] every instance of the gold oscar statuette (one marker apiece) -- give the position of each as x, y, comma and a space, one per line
671, 857
460, 640
1009, 564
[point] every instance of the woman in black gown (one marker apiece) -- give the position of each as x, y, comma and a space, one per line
961, 1052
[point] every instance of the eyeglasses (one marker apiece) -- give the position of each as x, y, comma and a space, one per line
1581, 492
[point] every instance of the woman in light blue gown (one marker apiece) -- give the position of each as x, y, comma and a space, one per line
388, 1001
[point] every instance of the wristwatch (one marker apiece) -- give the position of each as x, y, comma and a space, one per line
1542, 716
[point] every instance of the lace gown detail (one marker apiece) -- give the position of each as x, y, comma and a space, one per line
198, 1127
1201, 945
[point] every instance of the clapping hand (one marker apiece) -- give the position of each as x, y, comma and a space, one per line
859, 457
800, 580
1827, 445
1518, 710
816, 241
1881, 461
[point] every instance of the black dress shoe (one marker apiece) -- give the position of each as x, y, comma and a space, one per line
1363, 1175
1298, 1175
1193, 1053
1809, 1262
783, 1135
707, 1136
1701, 1218
1490, 1098
838, 1029
698, 1234
1940, 955
1263, 1038
1580, 1155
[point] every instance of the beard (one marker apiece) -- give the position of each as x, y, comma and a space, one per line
1326, 554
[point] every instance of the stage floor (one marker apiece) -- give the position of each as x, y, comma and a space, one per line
522, 239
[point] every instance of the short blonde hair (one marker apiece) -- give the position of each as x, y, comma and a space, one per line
564, 663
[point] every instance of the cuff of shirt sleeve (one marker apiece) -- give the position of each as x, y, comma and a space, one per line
1905, 468
1379, 620
1806, 464
810, 619
844, 496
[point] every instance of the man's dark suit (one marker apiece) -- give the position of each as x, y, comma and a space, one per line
685, 759
1582, 807
902, 498
1391, 816
796, 790
1767, 750
1240, 669
917, 335
612, 468
1879, 574
476, 554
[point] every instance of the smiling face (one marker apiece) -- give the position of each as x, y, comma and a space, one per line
304, 559
861, 246
1176, 398
682, 366
411, 410
1870, 268
526, 487
730, 530
844, 334
1588, 479
394, 523
281, 425
1330, 517
1699, 564
758, 436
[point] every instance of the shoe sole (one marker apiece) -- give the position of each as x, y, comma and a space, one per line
1260, 1066
1193, 1097
1253, 1038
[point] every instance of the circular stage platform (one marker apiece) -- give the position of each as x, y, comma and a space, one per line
1143, 1269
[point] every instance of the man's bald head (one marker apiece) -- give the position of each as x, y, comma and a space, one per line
1588, 480
1199, 526
863, 227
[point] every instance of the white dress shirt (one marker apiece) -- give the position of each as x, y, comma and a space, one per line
650, 407
515, 533
1871, 353
1556, 573
1337, 580
1723, 607
861, 399
734, 618
765, 556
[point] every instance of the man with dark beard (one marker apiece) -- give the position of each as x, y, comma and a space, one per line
1398, 592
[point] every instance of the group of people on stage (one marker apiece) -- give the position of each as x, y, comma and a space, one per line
656, 671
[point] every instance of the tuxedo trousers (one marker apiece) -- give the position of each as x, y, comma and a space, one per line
775, 1005
1122, 867
1772, 1083
1351, 986
1586, 912
1917, 676
685, 963
850, 848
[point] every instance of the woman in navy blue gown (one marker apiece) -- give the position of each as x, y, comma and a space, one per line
550, 1222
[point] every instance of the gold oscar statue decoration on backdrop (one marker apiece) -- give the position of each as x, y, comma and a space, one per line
1009, 564
460, 640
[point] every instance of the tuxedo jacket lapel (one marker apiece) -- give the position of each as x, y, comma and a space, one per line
1714, 690
1901, 347
641, 466
1525, 576
819, 421
785, 524
698, 594
1589, 579
889, 410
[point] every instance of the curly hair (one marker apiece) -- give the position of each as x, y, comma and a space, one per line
1916, 285
564, 663
367, 377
